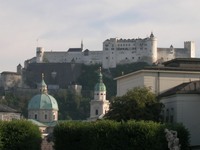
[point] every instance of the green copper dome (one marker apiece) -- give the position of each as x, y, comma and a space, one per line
100, 86
43, 101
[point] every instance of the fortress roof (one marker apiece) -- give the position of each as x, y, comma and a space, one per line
74, 50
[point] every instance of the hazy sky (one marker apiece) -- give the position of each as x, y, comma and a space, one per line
61, 24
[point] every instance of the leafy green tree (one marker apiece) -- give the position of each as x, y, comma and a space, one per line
138, 103
20, 135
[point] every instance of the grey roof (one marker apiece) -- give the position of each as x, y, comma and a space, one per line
172, 68
75, 50
192, 87
37, 123
9, 72
4, 108
183, 60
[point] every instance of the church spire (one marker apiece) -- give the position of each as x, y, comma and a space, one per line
43, 86
100, 76
100, 86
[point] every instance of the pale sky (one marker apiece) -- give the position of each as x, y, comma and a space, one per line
62, 24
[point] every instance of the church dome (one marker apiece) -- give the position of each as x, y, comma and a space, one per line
100, 87
43, 101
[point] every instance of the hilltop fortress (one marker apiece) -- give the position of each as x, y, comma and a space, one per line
115, 52
62, 68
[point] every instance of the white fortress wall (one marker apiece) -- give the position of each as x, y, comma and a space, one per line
75, 56
55, 57
182, 53
96, 57
165, 54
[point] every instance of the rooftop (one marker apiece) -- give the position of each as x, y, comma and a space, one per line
192, 87
4, 108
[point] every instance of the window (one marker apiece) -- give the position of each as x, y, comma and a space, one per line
35, 116
54, 117
45, 116
172, 115
96, 112
167, 115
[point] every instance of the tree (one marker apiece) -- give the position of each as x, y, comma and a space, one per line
19, 135
138, 103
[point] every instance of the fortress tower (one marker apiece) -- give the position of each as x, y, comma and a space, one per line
190, 46
153, 48
39, 54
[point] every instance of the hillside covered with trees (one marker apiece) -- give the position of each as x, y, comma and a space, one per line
72, 105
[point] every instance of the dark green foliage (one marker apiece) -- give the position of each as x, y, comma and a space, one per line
110, 135
138, 103
72, 105
89, 77
18, 102
19, 135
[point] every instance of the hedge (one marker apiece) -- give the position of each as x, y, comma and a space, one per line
19, 135
110, 135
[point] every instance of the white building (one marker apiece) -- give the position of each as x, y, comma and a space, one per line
116, 51
160, 78
182, 104
9, 114
99, 106
177, 85
10, 80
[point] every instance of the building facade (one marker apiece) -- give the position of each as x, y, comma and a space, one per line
99, 106
182, 104
9, 114
123, 51
160, 78
10, 80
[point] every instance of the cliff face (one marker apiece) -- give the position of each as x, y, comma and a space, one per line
58, 75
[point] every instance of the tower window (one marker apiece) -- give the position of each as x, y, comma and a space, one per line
96, 112
35, 116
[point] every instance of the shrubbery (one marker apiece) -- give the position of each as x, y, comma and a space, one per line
110, 135
19, 135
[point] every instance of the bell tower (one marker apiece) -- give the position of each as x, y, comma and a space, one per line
99, 106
